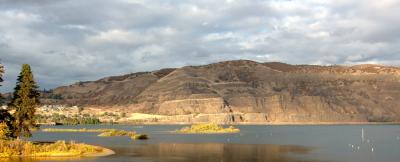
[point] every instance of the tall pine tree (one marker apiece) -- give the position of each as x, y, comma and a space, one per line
24, 101
6, 119
1, 80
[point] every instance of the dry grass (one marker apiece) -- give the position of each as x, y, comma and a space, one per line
11, 148
114, 132
208, 128
104, 132
75, 130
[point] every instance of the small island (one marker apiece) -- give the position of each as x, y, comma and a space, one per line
208, 129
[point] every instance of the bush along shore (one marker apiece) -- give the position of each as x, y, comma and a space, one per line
21, 122
103, 132
208, 129
21, 148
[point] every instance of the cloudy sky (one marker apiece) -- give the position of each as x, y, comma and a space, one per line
66, 41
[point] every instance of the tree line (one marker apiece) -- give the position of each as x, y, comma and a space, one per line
64, 120
23, 103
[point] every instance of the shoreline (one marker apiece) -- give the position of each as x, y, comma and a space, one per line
238, 123
105, 152
59, 154
266, 123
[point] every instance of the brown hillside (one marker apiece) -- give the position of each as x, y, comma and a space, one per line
281, 92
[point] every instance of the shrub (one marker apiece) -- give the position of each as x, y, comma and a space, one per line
379, 119
140, 137
6, 121
4, 131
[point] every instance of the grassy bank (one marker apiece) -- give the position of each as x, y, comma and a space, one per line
133, 135
208, 128
114, 132
15, 148
75, 130
103, 132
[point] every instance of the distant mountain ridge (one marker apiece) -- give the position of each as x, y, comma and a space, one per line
272, 92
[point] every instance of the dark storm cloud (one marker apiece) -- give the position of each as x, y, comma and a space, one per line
71, 40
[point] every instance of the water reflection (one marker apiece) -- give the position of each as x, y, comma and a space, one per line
207, 152
186, 152
331, 143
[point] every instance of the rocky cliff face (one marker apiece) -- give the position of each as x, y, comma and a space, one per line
259, 92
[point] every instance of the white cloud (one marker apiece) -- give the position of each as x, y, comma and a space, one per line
85, 40
218, 36
79, 27
17, 16
114, 36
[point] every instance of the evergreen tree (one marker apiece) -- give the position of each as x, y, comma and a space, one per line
6, 125
6, 119
1, 80
1, 72
24, 101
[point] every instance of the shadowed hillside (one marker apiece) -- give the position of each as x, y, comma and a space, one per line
258, 92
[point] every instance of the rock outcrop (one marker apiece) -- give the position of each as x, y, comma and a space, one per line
256, 92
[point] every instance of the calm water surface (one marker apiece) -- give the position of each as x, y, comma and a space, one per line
342, 143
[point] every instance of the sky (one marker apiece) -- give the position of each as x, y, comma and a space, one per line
67, 41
